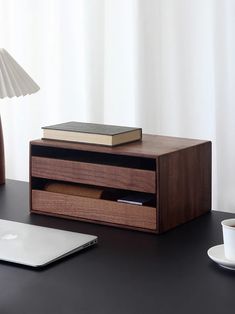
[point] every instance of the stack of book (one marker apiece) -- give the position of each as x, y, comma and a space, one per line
91, 133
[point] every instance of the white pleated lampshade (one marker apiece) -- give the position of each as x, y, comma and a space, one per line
14, 81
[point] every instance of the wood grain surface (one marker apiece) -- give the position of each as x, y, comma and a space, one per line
184, 185
179, 174
93, 209
95, 174
151, 146
2, 156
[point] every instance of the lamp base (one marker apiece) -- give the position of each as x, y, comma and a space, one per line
2, 158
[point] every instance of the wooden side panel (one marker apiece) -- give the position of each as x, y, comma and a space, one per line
30, 177
93, 209
95, 174
184, 185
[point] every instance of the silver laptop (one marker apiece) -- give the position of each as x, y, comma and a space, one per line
38, 246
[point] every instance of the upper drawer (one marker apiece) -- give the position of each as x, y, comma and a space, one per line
95, 174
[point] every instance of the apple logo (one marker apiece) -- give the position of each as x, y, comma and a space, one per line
9, 236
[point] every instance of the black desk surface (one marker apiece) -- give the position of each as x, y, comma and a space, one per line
128, 272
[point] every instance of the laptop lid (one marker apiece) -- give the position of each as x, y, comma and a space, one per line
38, 246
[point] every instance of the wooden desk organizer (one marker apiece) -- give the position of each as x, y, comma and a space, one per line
176, 171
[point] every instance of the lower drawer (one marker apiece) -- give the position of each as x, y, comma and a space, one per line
97, 210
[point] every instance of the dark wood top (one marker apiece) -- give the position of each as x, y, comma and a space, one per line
151, 146
128, 272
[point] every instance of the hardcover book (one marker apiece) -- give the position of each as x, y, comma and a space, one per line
110, 135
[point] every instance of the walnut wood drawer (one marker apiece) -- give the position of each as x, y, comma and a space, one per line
97, 210
95, 174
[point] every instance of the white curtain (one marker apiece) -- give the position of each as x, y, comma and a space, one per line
167, 66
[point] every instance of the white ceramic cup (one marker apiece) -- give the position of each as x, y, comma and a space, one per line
228, 226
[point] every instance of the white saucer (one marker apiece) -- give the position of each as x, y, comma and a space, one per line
216, 253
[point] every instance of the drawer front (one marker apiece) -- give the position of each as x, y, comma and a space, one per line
94, 174
95, 210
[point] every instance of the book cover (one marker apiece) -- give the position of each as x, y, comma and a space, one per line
94, 128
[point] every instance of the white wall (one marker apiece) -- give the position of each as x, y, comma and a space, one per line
165, 65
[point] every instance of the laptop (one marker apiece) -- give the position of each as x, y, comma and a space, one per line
37, 246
